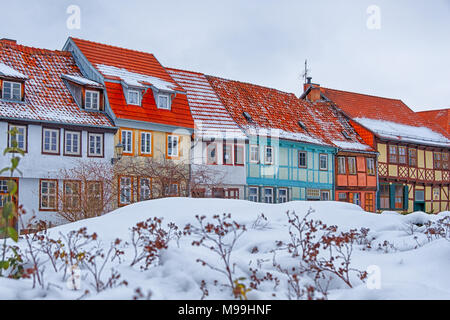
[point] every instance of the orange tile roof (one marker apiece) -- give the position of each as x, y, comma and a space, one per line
440, 117
46, 96
140, 68
274, 109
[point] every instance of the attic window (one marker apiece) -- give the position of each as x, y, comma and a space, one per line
12, 90
92, 100
163, 101
247, 116
346, 135
302, 125
134, 97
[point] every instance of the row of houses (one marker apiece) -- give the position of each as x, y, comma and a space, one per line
108, 104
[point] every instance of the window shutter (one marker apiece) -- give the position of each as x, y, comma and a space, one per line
378, 200
392, 196
260, 195
405, 197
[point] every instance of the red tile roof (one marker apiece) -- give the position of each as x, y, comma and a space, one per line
46, 96
440, 117
388, 117
136, 68
274, 109
210, 115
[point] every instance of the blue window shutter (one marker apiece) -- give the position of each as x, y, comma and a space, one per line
392, 196
378, 200
405, 197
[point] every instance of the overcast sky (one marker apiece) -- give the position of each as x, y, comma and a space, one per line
266, 42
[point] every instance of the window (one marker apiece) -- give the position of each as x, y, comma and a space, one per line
398, 197
146, 143
227, 154
352, 165
268, 195
92, 100
72, 143
253, 194
20, 137
50, 143
232, 193
211, 153
172, 146
268, 155
342, 196
95, 143
254, 154
172, 190
325, 195
393, 154
48, 194
419, 195
436, 193
127, 141
444, 160
12, 90
323, 162
302, 159
145, 190
341, 165
437, 160
199, 193
402, 154
239, 155
134, 97
371, 166
163, 102
218, 193
412, 157
368, 202
313, 194
384, 196
126, 187
72, 195
282, 195
355, 198
94, 193
4, 194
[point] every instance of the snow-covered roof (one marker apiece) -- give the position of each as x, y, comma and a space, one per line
6, 71
211, 118
350, 145
47, 97
406, 133
135, 79
81, 80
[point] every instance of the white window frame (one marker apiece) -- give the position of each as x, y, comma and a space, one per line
265, 155
285, 198
320, 162
266, 197
126, 187
11, 91
235, 149
306, 159
252, 159
10, 127
371, 165
327, 192
147, 188
95, 154
71, 152
128, 140
163, 95
251, 197
172, 154
229, 161
92, 93
138, 97
145, 143
50, 142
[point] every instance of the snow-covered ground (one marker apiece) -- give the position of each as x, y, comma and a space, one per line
410, 267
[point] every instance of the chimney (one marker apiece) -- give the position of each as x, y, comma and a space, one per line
314, 93
8, 41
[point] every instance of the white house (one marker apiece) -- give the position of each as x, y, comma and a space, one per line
60, 119
218, 144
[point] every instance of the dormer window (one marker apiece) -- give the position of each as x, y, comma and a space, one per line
163, 101
92, 101
12, 90
134, 97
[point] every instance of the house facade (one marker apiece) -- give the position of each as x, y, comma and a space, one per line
55, 130
218, 152
150, 109
413, 162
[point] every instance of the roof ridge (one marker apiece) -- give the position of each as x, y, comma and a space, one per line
111, 46
365, 94
34, 50
183, 70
